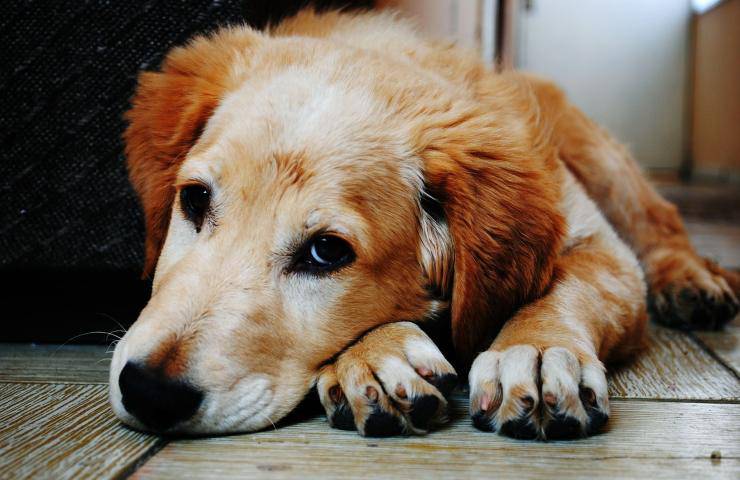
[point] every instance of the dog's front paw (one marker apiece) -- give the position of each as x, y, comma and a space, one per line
689, 292
523, 393
393, 381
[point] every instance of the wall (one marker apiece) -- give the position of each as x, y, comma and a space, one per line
622, 61
470, 23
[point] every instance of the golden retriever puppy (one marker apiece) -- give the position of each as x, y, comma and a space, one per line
315, 193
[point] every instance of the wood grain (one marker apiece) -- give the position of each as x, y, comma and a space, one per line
725, 344
64, 431
673, 366
82, 364
646, 439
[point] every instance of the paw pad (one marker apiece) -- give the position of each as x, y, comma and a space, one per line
597, 419
382, 424
563, 426
342, 418
521, 428
423, 409
482, 422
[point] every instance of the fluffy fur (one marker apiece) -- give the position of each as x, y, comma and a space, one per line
484, 195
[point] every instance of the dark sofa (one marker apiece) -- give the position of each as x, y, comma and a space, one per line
71, 233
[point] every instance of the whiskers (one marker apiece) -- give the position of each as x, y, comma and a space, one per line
116, 336
268, 419
114, 333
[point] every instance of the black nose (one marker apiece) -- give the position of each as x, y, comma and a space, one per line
157, 401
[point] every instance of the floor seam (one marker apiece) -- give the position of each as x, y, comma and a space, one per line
135, 465
709, 351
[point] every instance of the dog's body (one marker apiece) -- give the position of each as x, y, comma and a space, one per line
340, 178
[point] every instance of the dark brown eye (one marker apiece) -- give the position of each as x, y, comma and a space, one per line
195, 201
324, 253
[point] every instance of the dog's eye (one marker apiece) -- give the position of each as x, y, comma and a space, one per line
324, 253
195, 200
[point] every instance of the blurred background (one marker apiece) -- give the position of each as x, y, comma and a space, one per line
662, 75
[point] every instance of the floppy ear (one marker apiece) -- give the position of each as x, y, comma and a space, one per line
499, 198
169, 111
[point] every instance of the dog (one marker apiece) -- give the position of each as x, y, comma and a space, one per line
322, 197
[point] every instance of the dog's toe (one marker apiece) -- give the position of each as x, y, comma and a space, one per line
523, 394
335, 403
503, 391
388, 389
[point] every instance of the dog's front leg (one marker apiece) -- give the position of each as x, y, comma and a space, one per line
544, 376
394, 380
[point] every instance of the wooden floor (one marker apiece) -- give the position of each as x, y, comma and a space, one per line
675, 414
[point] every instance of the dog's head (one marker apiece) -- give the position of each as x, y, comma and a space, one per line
297, 194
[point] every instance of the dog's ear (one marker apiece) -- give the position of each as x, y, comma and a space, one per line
497, 222
169, 111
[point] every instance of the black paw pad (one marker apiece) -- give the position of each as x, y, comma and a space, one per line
563, 426
709, 313
482, 422
444, 383
687, 297
724, 312
662, 315
721, 312
520, 428
342, 418
732, 307
382, 424
597, 419
704, 319
423, 410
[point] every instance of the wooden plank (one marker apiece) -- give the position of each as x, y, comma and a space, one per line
53, 363
645, 439
724, 344
674, 366
64, 431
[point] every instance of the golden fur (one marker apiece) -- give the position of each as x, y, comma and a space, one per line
350, 124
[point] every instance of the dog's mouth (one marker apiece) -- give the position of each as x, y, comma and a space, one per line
181, 409
147, 399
